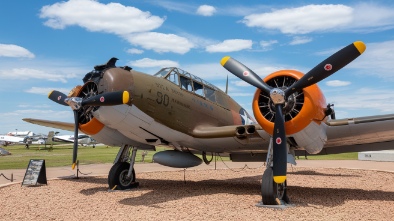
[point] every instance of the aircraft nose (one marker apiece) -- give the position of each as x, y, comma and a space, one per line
116, 79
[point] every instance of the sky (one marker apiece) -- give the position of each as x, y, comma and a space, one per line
51, 45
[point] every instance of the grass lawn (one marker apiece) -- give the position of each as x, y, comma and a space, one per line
61, 155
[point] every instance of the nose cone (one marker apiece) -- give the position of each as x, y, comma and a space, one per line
116, 79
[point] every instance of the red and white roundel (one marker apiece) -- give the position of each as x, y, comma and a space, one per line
102, 99
278, 140
59, 98
246, 73
328, 67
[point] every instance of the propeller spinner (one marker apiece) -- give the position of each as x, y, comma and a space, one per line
105, 99
278, 96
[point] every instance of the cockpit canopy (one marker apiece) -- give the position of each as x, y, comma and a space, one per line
189, 82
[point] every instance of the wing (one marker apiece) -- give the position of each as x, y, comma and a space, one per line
360, 134
53, 124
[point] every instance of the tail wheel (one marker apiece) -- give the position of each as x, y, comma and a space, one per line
117, 177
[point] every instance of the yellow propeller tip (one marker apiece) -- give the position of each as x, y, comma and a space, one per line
49, 94
360, 46
126, 97
279, 179
73, 166
224, 60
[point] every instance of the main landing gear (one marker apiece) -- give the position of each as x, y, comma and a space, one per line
273, 194
122, 174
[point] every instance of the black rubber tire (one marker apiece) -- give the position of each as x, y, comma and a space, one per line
117, 174
269, 189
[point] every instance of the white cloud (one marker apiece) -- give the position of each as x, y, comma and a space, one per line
147, 63
266, 45
240, 83
46, 90
28, 73
230, 46
206, 10
366, 17
337, 83
377, 60
95, 16
303, 19
134, 51
160, 42
10, 50
298, 40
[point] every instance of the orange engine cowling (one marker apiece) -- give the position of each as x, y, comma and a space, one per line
300, 109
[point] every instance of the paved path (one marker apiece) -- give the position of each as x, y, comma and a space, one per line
103, 169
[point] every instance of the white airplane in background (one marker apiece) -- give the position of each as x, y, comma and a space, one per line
21, 133
84, 140
26, 140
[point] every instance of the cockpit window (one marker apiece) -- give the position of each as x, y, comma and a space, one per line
198, 88
190, 83
163, 72
173, 77
186, 83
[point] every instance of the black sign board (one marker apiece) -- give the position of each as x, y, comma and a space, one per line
35, 173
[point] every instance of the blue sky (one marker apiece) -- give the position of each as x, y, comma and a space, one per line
46, 45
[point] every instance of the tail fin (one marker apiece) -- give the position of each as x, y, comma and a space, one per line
50, 139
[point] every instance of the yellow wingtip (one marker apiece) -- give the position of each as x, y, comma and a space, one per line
73, 166
126, 97
224, 60
279, 179
360, 46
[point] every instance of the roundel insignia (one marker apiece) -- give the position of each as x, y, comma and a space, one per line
246, 73
59, 98
278, 140
102, 99
328, 67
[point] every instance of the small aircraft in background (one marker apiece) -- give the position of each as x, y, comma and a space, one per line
83, 140
21, 133
27, 140
119, 106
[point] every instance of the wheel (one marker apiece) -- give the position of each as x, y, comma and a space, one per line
271, 192
117, 176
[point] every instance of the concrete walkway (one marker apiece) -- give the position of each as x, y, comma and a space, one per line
103, 169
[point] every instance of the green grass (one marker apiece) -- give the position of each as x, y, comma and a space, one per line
62, 156
341, 156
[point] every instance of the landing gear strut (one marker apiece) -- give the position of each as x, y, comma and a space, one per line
122, 174
271, 192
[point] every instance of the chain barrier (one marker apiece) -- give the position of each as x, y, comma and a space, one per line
11, 179
245, 167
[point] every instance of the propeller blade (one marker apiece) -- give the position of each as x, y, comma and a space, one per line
108, 99
279, 146
329, 66
75, 147
244, 73
58, 97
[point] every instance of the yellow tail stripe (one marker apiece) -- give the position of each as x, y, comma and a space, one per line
360, 46
224, 60
126, 97
279, 179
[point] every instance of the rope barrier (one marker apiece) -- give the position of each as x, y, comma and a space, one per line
245, 167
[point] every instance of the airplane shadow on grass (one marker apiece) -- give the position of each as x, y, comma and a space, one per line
170, 190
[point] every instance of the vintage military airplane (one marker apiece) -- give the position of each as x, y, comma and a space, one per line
123, 107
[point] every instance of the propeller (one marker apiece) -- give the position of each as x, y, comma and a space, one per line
278, 95
105, 99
